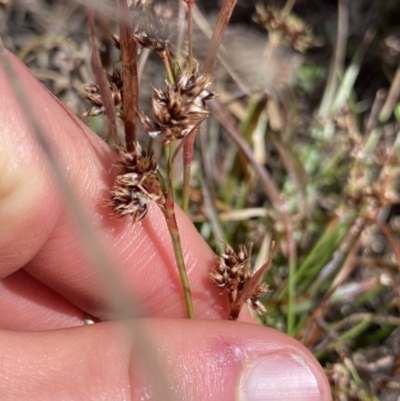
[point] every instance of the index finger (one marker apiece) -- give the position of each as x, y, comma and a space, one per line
39, 236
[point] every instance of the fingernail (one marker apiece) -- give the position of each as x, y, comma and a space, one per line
280, 377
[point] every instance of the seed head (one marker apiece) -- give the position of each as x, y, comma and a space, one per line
234, 275
136, 184
180, 108
92, 93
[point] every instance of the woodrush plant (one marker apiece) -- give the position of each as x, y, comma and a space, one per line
331, 180
178, 111
317, 253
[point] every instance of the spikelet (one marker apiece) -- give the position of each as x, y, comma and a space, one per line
180, 108
92, 93
233, 274
136, 184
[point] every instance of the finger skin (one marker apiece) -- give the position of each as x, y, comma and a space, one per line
184, 360
40, 236
28, 305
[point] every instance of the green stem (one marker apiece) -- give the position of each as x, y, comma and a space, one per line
167, 150
169, 214
170, 218
291, 295
169, 66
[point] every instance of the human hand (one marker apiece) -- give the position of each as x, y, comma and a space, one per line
48, 353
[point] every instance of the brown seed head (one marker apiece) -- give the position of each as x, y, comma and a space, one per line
92, 93
178, 109
234, 275
136, 184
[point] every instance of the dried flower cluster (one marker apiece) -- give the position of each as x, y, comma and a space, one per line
290, 29
180, 108
233, 274
149, 30
92, 93
135, 185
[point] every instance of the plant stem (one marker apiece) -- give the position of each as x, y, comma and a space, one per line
130, 79
190, 5
169, 66
170, 218
181, 31
291, 288
188, 146
223, 19
101, 80
187, 164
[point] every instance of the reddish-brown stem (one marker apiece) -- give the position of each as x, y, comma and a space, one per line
190, 5
223, 19
130, 78
187, 162
101, 80
169, 214
181, 31
216, 39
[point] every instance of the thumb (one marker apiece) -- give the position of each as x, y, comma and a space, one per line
160, 359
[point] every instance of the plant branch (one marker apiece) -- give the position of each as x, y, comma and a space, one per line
224, 16
129, 53
168, 64
170, 218
187, 163
101, 79
190, 5
216, 40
